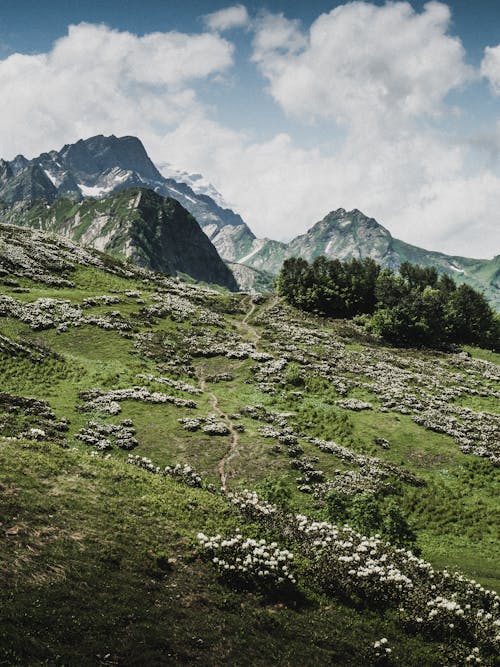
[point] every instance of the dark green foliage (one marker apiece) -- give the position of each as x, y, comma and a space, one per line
294, 375
414, 308
275, 491
330, 287
395, 526
365, 514
336, 506
370, 515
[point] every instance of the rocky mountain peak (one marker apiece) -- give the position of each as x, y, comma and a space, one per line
101, 165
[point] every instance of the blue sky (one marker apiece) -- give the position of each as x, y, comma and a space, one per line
291, 109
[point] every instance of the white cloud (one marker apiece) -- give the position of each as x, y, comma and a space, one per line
490, 67
225, 19
98, 80
275, 34
416, 187
361, 59
378, 72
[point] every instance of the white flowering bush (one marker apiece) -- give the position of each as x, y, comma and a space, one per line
354, 404
382, 652
249, 560
415, 385
175, 384
183, 473
214, 426
108, 402
342, 562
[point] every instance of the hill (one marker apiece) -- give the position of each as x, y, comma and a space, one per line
135, 410
136, 224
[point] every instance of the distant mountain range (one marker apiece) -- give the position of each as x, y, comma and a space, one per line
97, 167
89, 174
345, 234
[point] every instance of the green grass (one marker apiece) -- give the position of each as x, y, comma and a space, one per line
83, 570
103, 555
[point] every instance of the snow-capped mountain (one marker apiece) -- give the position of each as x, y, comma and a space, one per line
102, 165
197, 182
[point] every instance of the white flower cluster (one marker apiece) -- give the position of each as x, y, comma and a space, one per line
417, 385
101, 436
190, 423
175, 384
101, 401
254, 561
346, 562
46, 312
219, 377
42, 313
37, 433
181, 309
183, 473
354, 404
249, 503
47, 258
213, 426
32, 418
382, 649
103, 300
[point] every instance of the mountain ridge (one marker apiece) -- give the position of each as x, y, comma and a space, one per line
345, 234
101, 166
152, 231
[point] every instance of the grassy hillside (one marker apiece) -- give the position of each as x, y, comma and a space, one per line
100, 559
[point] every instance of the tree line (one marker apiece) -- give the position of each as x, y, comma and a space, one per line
414, 307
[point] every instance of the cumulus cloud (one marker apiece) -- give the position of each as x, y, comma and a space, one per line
490, 67
416, 187
100, 80
362, 59
275, 34
225, 19
377, 72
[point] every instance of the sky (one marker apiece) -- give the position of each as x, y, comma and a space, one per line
290, 108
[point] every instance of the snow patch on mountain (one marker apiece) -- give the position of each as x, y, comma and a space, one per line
196, 182
51, 177
88, 191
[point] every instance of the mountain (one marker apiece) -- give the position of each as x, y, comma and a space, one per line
197, 182
99, 166
345, 234
102, 166
137, 224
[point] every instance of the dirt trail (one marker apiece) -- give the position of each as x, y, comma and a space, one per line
214, 401
256, 335
231, 452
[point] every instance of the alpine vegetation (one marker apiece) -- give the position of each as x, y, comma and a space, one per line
193, 475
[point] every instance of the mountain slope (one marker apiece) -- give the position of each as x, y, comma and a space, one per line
104, 558
345, 234
99, 166
152, 231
